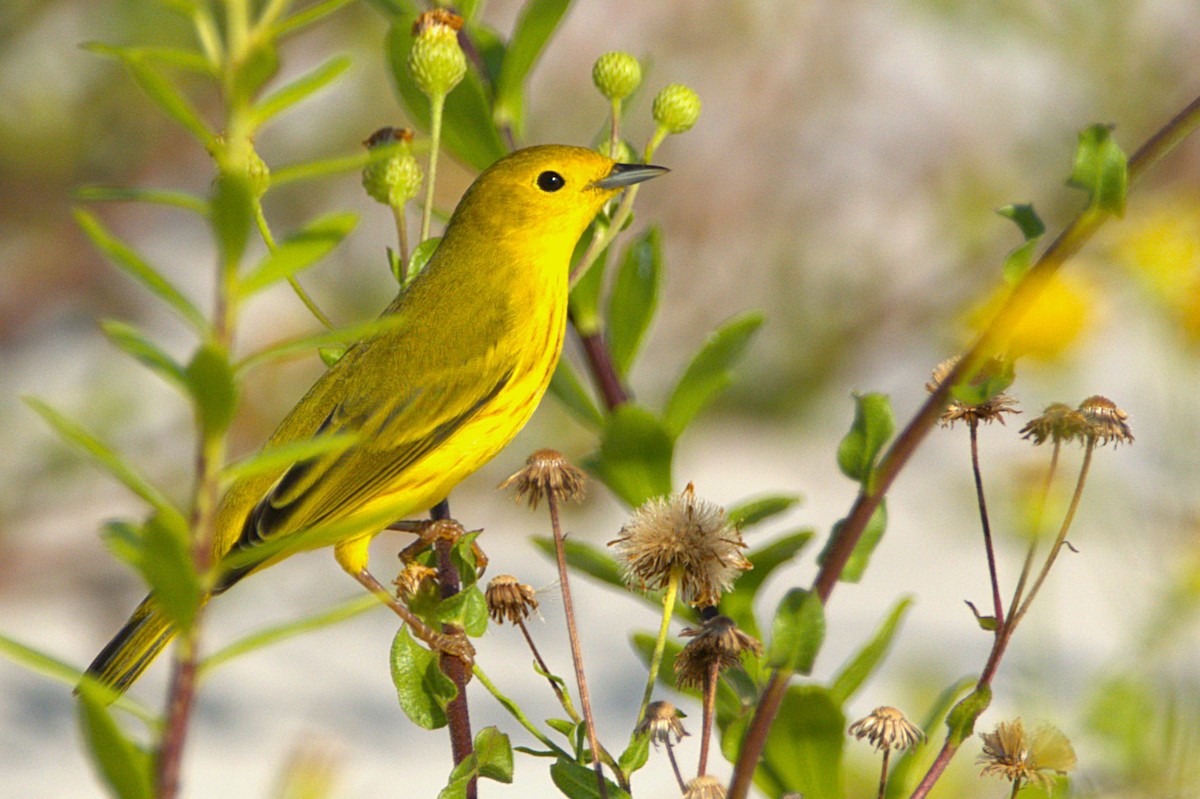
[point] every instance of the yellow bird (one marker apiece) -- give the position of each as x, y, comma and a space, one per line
429, 400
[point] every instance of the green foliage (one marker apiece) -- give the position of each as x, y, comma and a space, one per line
124, 766
961, 719
634, 298
210, 381
491, 758
634, 459
1017, 262
535, 25
872, 534
423, 690
579, 782
865, 662
873, 426
797, 632
1101, 170
710, 371
298, 252
804, 752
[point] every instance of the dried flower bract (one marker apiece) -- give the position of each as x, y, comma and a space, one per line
887, 728
705, 787
662, 723
1106, 421
990, 410
1011, 753
685, 535
509, 599
547, 471
721, 634
1058, 423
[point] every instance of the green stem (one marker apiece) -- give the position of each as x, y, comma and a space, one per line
436, 104
660, 644
264, 230
614, 137
997, 603
402, 239
515, 711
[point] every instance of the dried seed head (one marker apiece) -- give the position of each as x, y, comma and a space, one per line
396, 179
684, 535
676, 108
616, 75
1105, 420
990, 410
1058, 423
436, 60
544, 472
509, 599
704, 787
721, 634
412, 578
661, 723
887, 728
1010, 753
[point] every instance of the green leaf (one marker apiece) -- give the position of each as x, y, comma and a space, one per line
1100, 169
856, 566
905, 772
986, 381
803, 753
76, 436
636, 754
567, 388
494, 752
169, 570
421, 255
123, 257
856, 671
211, 383
586, 558
797, 632
961, 720
1025, 218
739, 603
468, 131
579, 782
338, 337
423, 690
535, 25
124, 767
873, 426
635, 455
468, 609
232, 213
305, 17
634, 298
299, 89
299, 251
258, 64
174, 199
563, 727
259, 639
751, 512
1017, 262
169, 99
134, 343
278, 457
709, 372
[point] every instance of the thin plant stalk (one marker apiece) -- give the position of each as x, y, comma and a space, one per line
515, 711
710, 704
997, 603
660, 643
675, 766
436, 104
264, 230
614, 136
585, 700
1037, 528
398, 214
883, 773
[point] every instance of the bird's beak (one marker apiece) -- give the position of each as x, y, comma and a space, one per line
623, 175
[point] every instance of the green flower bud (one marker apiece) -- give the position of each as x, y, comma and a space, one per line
396, 179
258, 173
436, 61
616, 75
625, 153
676, 108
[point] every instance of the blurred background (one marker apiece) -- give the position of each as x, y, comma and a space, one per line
842, 179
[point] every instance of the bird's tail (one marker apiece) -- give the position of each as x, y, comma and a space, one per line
133, 648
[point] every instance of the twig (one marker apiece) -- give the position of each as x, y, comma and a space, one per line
997, 604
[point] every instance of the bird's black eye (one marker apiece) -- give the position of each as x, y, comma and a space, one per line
550, 181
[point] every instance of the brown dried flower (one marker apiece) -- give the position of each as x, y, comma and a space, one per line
717, 641
887, 728
509, 599
683, 535
661, 723
1009, 753
544, 472
1058, 423
991, 410
437, 16
704, 787
1105, 420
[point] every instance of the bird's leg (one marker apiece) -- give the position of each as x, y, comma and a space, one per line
453, 644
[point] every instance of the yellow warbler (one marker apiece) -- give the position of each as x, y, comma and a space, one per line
426, 402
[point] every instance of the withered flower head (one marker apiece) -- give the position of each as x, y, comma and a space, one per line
887, 728
411, 579
509, 599
990, 410
721, 634
661, 722
1105, 420
547, 471
684, 535
1058, 423
1010, 753
704, 787
436, 16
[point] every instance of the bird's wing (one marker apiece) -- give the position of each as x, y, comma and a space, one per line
397, 420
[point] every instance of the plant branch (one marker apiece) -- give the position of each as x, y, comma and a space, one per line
997, 603
1068, 242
